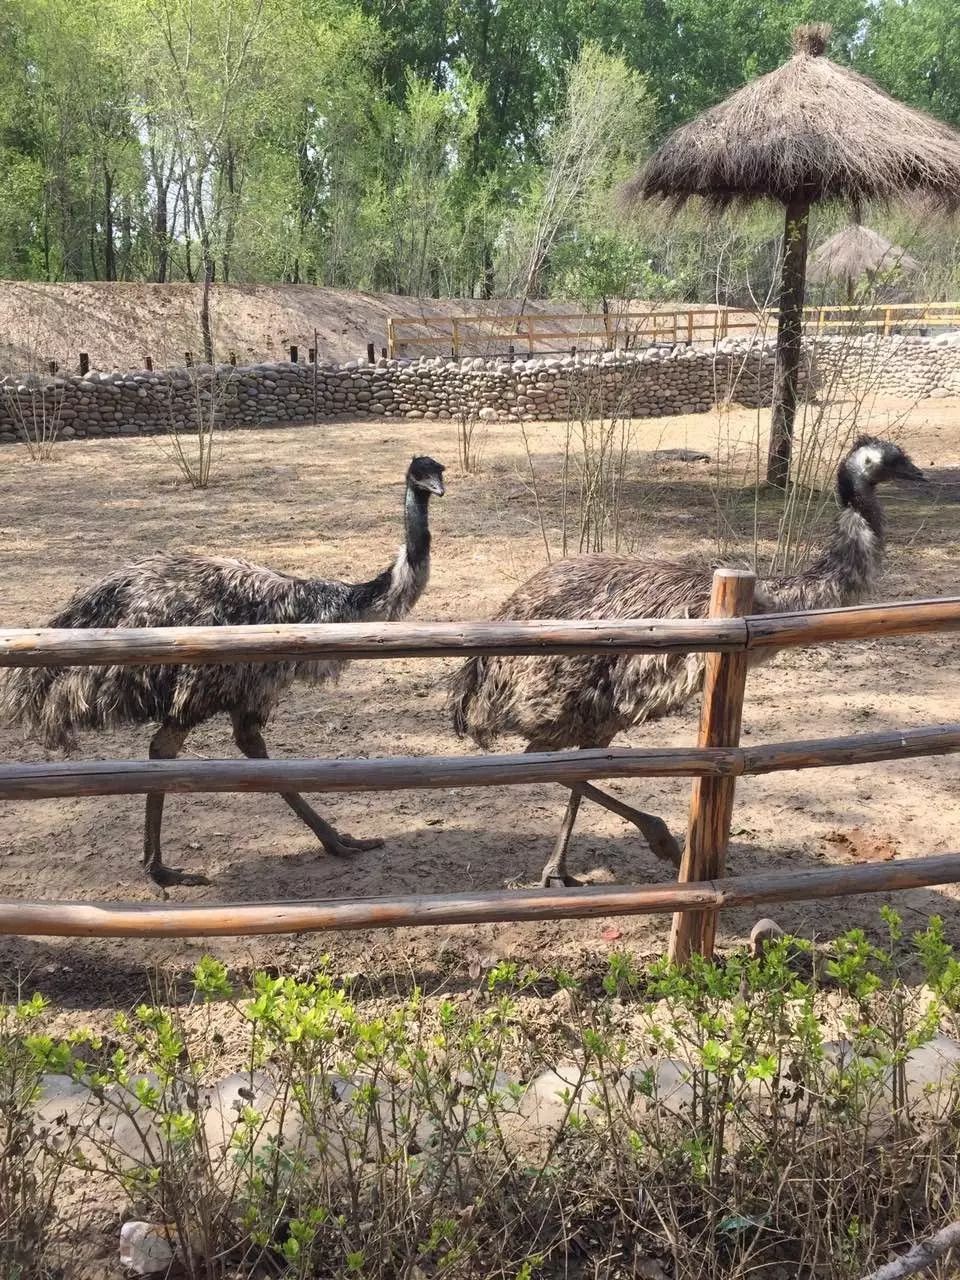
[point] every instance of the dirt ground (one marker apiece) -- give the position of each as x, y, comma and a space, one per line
326, 500
117, 325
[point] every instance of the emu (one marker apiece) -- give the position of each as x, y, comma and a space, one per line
557, 703
186, 590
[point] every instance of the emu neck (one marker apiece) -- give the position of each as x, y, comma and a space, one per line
858, 496
394, 592
416, 523
850, 563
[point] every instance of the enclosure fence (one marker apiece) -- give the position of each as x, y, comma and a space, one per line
540, 332
728, 637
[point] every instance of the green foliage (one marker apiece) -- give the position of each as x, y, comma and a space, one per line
425, 147
393, 1142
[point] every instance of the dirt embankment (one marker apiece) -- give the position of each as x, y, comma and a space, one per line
120, 324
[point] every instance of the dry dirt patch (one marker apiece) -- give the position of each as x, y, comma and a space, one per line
327, 500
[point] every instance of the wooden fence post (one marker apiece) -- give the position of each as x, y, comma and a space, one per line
711, 799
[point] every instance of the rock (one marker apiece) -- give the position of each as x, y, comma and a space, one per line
932, 1072
545, 1102
662, 1083
764, 931
146, 1248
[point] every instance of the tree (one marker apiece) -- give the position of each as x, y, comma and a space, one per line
913, 49
606, 114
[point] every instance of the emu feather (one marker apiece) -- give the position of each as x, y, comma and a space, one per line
184, 590
557, 702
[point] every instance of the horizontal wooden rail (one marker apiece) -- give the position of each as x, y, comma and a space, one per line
52, 647
676, 324
857, 622
411, 773
505, 319
134, 920
298, 642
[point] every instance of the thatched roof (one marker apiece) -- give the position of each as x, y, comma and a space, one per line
811, 130
855, 252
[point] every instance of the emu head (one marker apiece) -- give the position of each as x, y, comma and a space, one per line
872, 461
427, 475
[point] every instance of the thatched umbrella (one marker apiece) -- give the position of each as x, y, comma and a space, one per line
807, 132
855, 252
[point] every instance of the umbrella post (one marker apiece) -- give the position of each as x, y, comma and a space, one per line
793, 277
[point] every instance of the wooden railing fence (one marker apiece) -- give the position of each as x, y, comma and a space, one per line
532, 332
728, 636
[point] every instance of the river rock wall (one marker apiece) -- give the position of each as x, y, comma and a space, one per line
649, 383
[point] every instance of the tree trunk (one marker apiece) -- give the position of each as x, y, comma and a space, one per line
110, 249
487, 271
227, 246
161, 236
793, 278
205, 329
126, 239
45, 232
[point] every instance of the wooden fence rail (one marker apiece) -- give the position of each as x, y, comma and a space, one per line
137, 920
715, 763
37, 647
433, 773
648, 326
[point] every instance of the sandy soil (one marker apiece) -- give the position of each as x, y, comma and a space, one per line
326, 500
119, 324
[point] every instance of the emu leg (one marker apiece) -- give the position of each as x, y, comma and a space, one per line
165, 744
555, 875
655, 831
247, 735
662, 842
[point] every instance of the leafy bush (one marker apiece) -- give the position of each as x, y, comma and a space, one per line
698, 1122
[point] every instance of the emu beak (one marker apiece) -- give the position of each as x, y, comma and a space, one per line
436, 486
906, 471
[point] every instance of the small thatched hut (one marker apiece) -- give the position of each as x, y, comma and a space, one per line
810, 131
856, 253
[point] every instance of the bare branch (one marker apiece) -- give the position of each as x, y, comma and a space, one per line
921, 1257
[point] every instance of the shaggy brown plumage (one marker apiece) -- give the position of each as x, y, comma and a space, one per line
811, 131
185, 590
557, 702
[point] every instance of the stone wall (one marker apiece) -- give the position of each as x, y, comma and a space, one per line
918, 368
648, 383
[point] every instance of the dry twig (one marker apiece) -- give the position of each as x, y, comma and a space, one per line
921, 1257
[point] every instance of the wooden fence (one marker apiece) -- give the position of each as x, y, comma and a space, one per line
532, 332
727, 637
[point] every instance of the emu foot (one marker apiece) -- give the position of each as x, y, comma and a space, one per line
346, 846
166, 877
550, 880
663, 843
